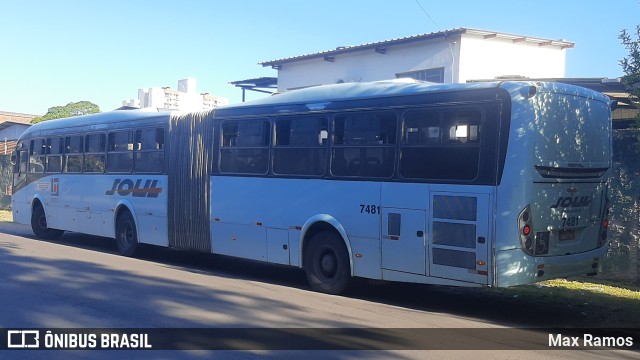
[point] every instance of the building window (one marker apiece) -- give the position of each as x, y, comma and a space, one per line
435, 75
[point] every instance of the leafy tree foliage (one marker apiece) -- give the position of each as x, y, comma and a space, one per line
71, 109
631, 63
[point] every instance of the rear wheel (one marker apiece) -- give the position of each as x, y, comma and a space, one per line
39, 225
126, 234
327, 263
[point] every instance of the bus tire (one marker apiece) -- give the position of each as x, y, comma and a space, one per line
326, 263
126, 234
39, 225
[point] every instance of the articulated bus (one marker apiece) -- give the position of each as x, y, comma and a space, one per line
484, 184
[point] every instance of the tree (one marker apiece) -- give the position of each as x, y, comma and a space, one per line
631, 65
71, 109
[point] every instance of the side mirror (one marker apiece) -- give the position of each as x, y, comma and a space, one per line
14, 158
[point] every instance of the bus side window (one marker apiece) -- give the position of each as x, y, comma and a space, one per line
441, 144
120, 151
37, 158
364, 145
300, 147
245, 147
94, 153
149, 150
73, 148
23, 160
55, 147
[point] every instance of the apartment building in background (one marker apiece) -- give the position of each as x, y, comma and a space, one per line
184, 98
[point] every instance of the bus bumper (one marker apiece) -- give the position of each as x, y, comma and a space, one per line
514, 267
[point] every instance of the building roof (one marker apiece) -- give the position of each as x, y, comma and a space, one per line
381, 46
6, 124
18, 118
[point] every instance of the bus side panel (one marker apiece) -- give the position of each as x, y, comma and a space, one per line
65, 197
241, 206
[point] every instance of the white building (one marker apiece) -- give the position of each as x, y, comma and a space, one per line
186, 98
449, 56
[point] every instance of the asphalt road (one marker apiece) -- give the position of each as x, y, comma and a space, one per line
80, 282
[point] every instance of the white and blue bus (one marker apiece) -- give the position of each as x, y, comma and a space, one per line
493, 184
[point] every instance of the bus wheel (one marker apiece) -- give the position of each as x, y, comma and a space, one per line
39, 225
126, 234
327, 263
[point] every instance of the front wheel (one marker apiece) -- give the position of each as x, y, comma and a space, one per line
327, 263
39, 225
126, 234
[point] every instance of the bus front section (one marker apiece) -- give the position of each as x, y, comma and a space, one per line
552, 203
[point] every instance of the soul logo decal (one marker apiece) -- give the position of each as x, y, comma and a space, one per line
126, 187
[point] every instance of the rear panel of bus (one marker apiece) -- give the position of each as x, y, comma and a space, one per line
552, 202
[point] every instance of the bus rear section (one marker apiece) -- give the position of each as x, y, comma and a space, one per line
556, 181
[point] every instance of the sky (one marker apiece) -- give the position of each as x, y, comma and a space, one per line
56, 52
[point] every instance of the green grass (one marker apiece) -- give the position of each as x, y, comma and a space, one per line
6, 215
627, 292
577, 302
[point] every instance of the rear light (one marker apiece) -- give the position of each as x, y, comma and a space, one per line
537, 244
524, 226
604, 225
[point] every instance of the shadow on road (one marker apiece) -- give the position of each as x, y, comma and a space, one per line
484, 304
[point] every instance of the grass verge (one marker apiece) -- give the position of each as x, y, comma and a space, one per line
6, 215
577, 302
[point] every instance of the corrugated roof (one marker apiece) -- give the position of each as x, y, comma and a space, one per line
380, 46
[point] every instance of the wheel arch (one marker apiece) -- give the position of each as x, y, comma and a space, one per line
38, 199
323, 222
121, 207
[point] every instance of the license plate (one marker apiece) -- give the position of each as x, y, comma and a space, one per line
566, 235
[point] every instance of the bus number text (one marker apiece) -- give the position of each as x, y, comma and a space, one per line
369, 209
570, 221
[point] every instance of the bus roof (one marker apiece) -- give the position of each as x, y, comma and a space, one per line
96, 119
398, 87
359, 90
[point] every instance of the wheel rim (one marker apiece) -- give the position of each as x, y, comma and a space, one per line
42, 222
126, 235
328, 263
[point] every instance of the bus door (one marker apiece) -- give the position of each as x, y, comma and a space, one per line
459, 236
403, 240
19, 197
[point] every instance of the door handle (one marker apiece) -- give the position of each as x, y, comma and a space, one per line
482, 240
